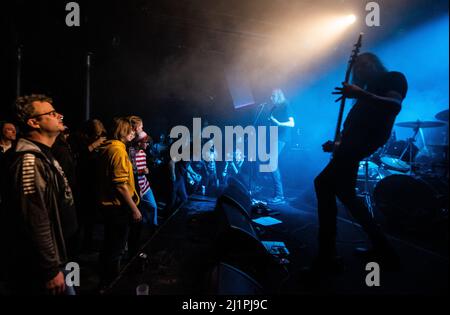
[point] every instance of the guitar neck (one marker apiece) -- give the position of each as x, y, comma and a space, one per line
342, 106
339, 122
346, 80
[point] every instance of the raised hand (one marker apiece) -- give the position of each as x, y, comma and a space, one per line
328, 146
348, 91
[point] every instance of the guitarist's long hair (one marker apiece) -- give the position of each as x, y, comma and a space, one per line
371, 66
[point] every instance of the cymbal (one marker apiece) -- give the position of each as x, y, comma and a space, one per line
420, 124
442, 115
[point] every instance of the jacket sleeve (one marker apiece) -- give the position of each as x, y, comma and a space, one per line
31, 184
119, 166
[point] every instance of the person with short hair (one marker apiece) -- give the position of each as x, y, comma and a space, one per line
39, 204
7, 141
7, 136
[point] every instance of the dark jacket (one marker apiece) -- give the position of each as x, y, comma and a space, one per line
39, 213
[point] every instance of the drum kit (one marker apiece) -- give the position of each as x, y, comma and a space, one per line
396, 182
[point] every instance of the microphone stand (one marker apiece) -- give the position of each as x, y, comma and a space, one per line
261, 108
255, 121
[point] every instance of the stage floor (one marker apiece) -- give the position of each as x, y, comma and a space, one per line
180, 255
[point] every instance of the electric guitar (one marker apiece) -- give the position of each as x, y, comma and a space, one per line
351, 62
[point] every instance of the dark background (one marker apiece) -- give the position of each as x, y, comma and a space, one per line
164, 60
167, 61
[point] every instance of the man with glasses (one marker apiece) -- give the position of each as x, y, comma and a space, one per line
40, 209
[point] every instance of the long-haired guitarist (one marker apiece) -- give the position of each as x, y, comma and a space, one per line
282, 117
379, 95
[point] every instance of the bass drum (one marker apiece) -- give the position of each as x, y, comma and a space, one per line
412, 204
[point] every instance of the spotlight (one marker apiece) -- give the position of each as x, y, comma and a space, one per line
344, 21
350, 19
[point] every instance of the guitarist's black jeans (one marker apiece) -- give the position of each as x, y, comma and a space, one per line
276, 175
338, 179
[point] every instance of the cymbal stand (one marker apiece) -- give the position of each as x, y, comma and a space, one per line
366, 192
410, 147
425, 147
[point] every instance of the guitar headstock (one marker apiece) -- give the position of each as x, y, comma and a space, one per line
356, 49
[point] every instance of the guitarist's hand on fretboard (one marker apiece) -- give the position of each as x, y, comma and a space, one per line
328, 146
348, 91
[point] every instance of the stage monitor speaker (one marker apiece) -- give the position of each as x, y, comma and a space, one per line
237, 241
239, 245
233, 209
225, 279
237, 194
232, 218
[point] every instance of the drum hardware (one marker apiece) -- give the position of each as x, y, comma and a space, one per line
435, 164
411, 158
441, 149
443, 115
420, 124
366, 193
405, 188
425, 149
417, 127
399, 156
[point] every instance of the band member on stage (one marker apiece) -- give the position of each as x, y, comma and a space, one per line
282, 117
379, 95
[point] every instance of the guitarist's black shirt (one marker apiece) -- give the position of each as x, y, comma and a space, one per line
282, 113
369, 123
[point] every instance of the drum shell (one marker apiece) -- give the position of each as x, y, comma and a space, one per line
396, 148
411, 203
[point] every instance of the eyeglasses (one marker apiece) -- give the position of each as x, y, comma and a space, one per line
52, 113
